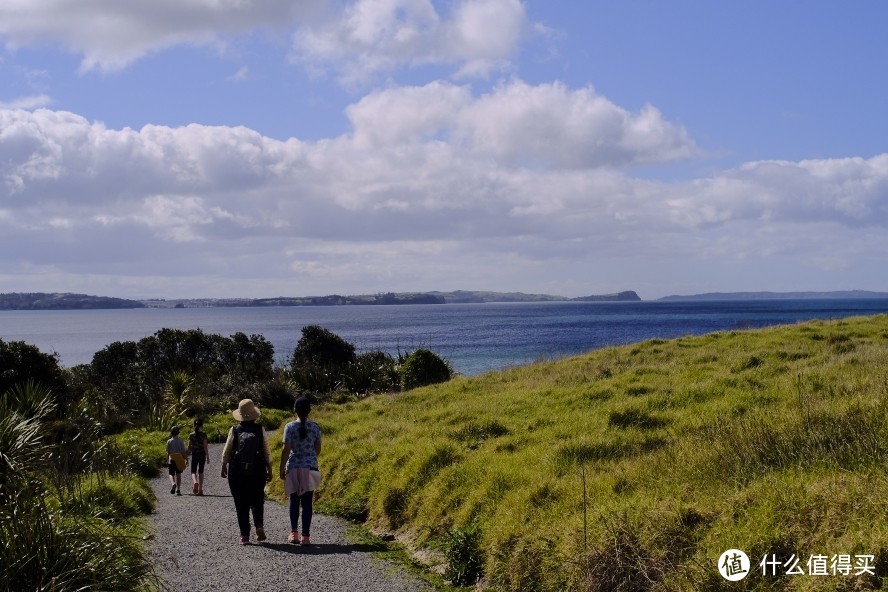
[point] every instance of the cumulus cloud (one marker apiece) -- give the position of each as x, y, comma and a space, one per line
544, 125
111, 35
430, 184
852, 192
356, 39
367, 37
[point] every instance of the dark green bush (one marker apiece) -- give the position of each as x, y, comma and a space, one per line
127, 381
424, 367
321, 347
372, 372
274, 394
21, 362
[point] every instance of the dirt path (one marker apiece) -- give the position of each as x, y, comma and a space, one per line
196, 548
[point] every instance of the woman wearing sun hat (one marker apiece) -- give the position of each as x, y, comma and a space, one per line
246, 463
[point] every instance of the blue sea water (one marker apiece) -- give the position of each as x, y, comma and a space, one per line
474, 338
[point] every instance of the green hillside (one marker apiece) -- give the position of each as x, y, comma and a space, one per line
771, 441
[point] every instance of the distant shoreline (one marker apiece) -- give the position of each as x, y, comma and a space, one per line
66, 301
69, 301
735, 296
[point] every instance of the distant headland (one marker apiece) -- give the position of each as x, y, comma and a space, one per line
63, 301
68, 301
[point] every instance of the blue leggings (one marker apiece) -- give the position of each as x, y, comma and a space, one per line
305, 500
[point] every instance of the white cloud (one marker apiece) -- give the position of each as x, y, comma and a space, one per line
368, 37
357, 39
432, 186
550, 124
242, 74
545, 125
27, 103
407, 115
110, 35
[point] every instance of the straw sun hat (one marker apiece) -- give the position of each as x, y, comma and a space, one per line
246, 411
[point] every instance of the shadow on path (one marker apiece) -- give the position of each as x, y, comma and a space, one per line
320, 548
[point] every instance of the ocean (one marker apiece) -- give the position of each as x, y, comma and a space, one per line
474, 338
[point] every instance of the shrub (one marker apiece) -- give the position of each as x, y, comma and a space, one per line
321, 347
274, 394
23, 443
465, 558
20, 361
372, 372
424, 367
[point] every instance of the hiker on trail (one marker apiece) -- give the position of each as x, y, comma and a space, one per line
299, 468
200, 456
177, 457
246, 463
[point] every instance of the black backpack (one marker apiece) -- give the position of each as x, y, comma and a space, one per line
248, 458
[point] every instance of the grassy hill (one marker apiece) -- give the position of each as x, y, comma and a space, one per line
634, 468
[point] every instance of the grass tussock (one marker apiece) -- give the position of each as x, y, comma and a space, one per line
633, 468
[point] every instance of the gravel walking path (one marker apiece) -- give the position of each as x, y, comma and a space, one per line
196, 548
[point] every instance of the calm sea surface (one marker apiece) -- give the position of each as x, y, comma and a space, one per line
475, 338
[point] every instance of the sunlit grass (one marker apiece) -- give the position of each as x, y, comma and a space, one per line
772, 440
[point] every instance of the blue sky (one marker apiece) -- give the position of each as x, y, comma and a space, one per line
234, 148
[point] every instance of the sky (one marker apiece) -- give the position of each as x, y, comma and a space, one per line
261, 148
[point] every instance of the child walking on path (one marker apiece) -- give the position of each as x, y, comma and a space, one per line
299, 468
246, 463
200, 456
177, 457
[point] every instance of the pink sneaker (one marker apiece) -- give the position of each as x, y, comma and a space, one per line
245, 540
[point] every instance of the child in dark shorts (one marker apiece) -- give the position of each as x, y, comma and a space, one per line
200, 456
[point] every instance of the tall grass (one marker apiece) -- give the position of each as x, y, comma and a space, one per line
634, 468
62, 528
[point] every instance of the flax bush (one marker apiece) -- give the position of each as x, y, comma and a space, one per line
62, 533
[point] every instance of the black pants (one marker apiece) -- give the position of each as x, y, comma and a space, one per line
249, 495
198, 462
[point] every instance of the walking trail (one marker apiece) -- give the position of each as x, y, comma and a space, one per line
195, 547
